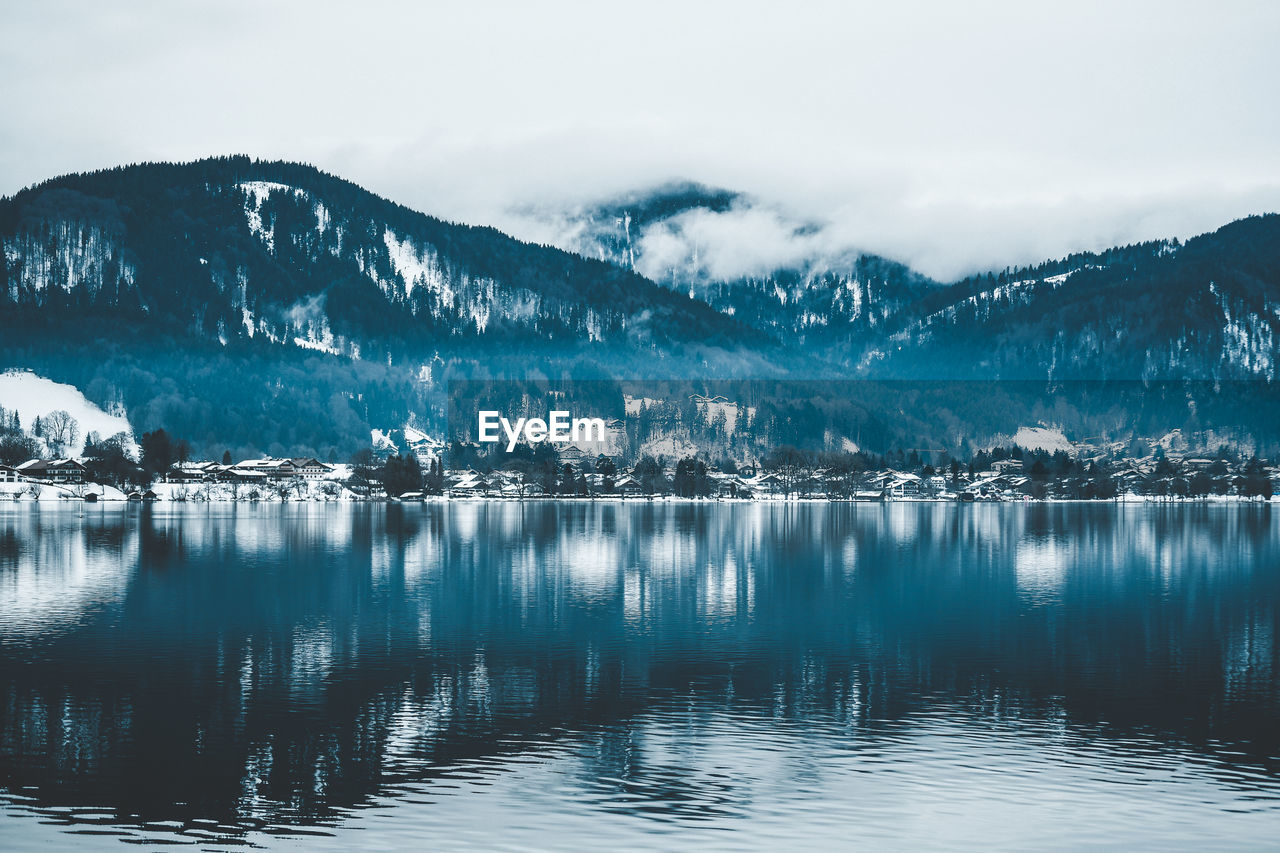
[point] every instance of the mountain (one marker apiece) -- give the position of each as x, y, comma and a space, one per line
747, 259
230, 299
270, 307
1208, 309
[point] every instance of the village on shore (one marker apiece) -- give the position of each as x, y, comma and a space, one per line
429, 469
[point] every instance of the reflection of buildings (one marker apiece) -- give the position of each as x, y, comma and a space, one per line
277, 662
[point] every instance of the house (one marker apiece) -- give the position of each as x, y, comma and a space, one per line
765, 484
896, 484
299, 467
937, 484
732, 487
271, 469
53, 470
192, 472
426, 448
467, 484
907, 486
309, 468
998, 486
1007, 466
520, 490
10, 475
1129, 479
572, 456
627, 485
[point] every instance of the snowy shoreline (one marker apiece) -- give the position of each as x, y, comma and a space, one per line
313, 493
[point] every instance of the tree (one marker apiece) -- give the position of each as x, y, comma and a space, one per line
790, 465
1255, 483
364, 471
16, 448
691, 478
402, 474
682, 483
545, 467
160, 451
648, 473
60, 430
1200, 485
433, 482
109, 461
842, 471
226, 457
701, 482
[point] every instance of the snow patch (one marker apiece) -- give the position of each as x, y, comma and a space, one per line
669, 447
34, 396
1049, 439
255, 193
416, 267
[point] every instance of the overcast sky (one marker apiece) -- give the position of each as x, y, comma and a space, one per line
953, 136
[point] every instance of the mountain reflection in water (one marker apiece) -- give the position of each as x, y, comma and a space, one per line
898, 674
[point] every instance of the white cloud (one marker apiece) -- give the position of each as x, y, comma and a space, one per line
953, 135
743, 241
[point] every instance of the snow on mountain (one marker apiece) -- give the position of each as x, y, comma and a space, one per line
34, 396
66, 255
1048, 439
417, 266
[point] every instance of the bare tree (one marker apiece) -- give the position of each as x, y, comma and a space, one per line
60, 430
791, 465
287, 488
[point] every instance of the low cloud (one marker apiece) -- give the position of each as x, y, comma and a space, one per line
307, 313
944, 239
953, 137
743, 241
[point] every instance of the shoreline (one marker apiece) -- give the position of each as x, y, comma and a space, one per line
63, 499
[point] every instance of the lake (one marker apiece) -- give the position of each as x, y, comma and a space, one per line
586, 675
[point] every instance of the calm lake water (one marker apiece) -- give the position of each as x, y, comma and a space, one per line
640, 676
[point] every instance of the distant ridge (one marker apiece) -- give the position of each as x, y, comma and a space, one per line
259, 305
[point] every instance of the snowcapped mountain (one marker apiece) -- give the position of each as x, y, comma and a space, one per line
234, 249
230, 299
266, 307
1158, 310
747, 259
1208, 309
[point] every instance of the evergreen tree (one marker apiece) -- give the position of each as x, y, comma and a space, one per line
402, 474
